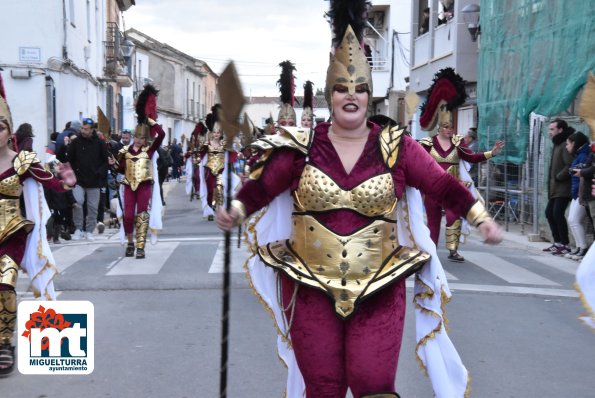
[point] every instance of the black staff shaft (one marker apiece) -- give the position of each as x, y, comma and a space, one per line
225, 311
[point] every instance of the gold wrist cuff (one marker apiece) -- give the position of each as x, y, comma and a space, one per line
241, 209
488, 154
478, 214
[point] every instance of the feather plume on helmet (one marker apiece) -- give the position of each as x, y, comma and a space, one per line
446, 93
212, 120
308, 104
146, 107
287, 88
348, 64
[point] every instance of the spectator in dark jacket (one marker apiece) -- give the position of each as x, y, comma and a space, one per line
88, 157
578, 146
587, 175
559, 187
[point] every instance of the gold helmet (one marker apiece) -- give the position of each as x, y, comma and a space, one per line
348, 64
308, 111
286, 87
5, 116
446, 93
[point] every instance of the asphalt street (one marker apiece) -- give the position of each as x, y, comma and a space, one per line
513, 319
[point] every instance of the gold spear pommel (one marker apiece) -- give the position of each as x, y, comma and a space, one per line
232, 102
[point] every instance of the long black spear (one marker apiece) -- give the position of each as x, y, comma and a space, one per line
232, 102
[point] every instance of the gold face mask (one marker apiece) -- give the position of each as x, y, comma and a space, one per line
348, 66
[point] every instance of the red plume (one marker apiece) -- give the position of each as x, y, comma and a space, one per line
448, 86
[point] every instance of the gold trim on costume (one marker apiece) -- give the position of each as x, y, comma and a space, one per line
488, 154
11, 219
8, 315
142, 226
389, 139
452, 157
292, 137
241, 209
215, 159
23, 161
318, 192
478, 214
11, 186
344, 267
453, 234
9, 271
139, 168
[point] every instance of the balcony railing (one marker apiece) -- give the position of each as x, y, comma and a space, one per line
116, 67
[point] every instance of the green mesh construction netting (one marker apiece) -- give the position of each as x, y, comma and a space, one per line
534, 57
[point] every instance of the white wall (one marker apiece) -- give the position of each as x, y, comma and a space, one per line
40, 25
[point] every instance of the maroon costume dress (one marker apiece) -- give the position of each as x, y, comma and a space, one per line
137, 168
341, 340
449, 161
14, 229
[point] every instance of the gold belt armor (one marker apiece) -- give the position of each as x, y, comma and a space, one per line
216, 161
11, 186
139, 168
11, 219
347, 268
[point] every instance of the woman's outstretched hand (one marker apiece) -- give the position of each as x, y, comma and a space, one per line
491, 232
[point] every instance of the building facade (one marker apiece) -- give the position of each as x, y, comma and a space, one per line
187, 86
54, 58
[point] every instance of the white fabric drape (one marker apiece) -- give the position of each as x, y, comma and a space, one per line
38, 260
235, 183
585, 284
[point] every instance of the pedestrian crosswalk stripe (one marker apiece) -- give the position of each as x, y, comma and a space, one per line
238, 258
156, 256
68, 255
507, 271
568, 266
522, 290
450, 276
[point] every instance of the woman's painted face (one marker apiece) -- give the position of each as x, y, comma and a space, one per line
4, 134
447, 131
306, 122
216, 135
287, 122
569, 146
139, 142
348, 108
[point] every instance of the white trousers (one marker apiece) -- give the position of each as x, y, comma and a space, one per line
576, 218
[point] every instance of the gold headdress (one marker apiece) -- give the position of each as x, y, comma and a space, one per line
308, 104
348, 64
446, 93
5, 116
146, 107
286, 87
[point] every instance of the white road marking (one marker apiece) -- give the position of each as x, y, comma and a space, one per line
564, 265
68, 255
521, 290
238, 257
156, 257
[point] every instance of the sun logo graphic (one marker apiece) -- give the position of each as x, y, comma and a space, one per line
56, 337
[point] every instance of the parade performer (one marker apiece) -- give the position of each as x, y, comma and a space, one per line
308, 112
342, 230
195, 143
214, 167
450, 151
138, 163
23, 241
286, 85
585, 274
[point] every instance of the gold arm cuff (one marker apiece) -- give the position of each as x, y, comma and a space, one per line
478, 214
488, 154
241, 209
66, 186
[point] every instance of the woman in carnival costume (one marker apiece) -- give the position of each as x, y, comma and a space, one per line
138, 163
446, 93
307, 118
343, 229
195, 143
23, 241
214, 166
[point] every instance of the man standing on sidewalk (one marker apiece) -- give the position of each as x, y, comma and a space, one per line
88, 157
559, 187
